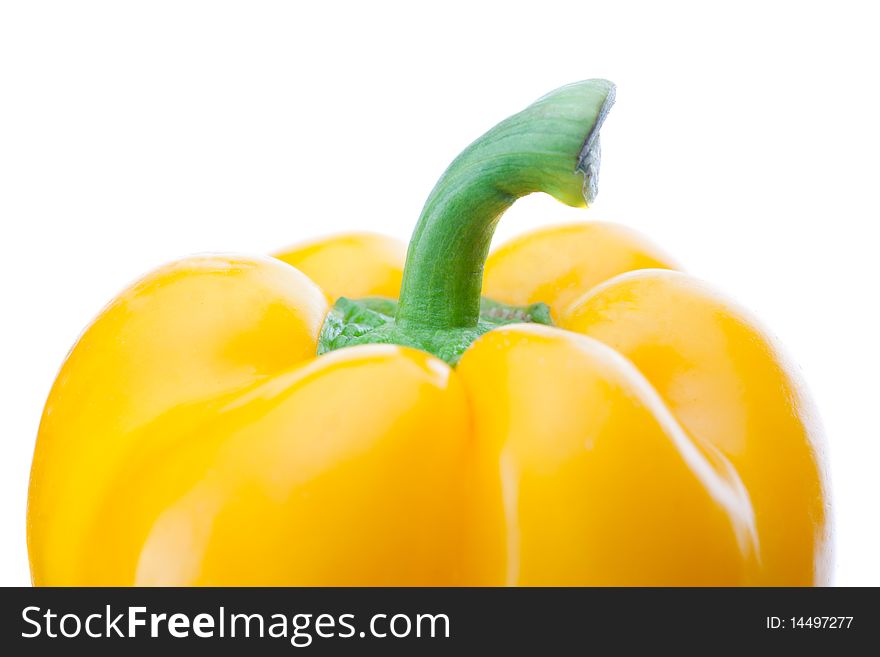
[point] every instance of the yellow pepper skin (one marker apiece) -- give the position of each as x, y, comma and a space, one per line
351, 265
601, 420
274, 485
174, 342
599, 484
207, 471
549, 264
726, 381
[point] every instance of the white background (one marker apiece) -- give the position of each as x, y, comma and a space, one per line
745, 141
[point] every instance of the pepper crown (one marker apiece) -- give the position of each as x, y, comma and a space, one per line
552, 146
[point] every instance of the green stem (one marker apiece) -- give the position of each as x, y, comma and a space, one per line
544, 148
551, 146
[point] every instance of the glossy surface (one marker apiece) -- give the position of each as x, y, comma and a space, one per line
352, 265
191, 438
599, 484
189, 333
725, 380
279, 486
558, 264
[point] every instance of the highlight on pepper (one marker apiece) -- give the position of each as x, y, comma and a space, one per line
569, 409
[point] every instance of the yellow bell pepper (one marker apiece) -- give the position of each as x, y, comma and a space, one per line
575, 412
